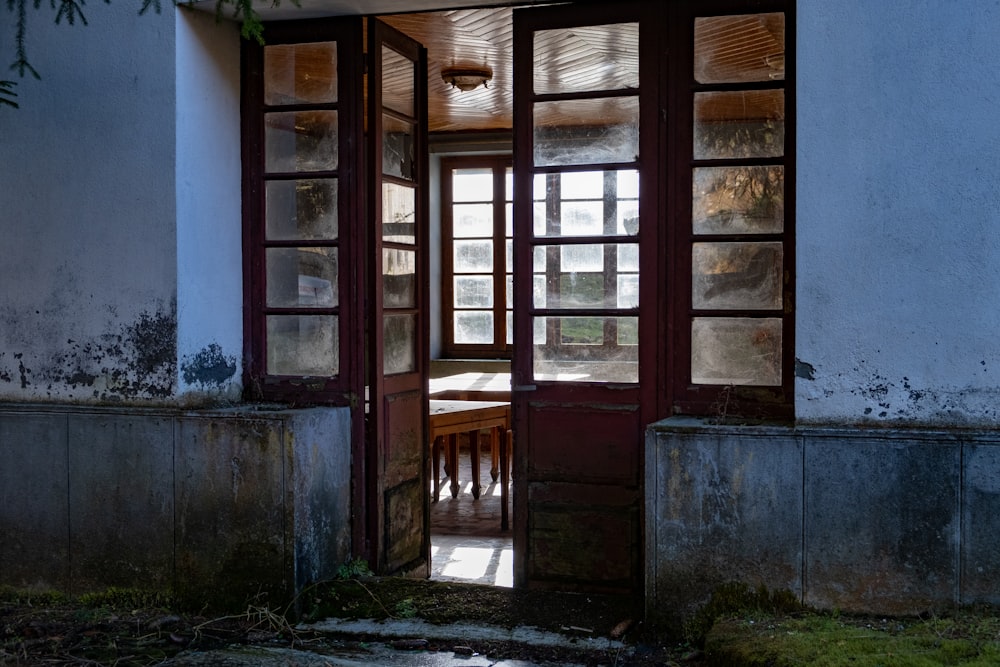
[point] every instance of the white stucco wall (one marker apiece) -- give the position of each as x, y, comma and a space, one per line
898, 212
102, 193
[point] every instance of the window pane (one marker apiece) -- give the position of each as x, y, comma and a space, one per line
737, 351
586, 58
474, 327
585, 349
472, 220
742, 276
739, 49
300, 73
301, 277
581, 218
574, 276
472, 185
628, 291
628, 257
473, 256
397, 81
301, 209
400, 344
399, 211
738, 200
586, 131
300, 141
399, 285
397, 148
473, 291
302, 345
742, 124
586, 203
510, 328
582, 185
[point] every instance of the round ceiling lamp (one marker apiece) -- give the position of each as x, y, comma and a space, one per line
467, 78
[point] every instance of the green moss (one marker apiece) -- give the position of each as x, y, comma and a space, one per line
31, 598
127, 599
738, 599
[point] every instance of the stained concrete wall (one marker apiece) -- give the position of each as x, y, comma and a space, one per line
898, 203
874, 520
213, 506
120, 185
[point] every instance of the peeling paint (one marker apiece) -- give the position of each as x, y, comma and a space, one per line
804, 370
209, 367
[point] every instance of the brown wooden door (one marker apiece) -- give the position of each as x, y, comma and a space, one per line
585, 242
397, 444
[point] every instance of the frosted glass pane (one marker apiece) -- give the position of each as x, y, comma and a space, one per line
738, 200
628, 184
399, 283
472, 185
588, 257
739, 49
586, 349
400, 344
473, 256
736, 351
399, 212
628, 257
301, 277
300, 141
741, 124
741, 276
472, 220
582, 185
474, 327
300, 73
510, 328
301, 209
628, 291
581, 218
609, 134
473, 292
398, 157
538, 291
302, 345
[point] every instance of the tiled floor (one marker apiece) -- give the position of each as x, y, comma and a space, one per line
466, 541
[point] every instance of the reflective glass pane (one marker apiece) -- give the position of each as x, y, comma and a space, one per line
300, 73
301, 209
302, 345
739, 49
736, 351
300, 141
592, 131
741, 276
738, 200
301, 277
397, 81
399, 211
474, 327
472, 185
586, 58
472, 220
399, 278
400, 344
397, 148
741, 124
473, 256
473, 291
586, 349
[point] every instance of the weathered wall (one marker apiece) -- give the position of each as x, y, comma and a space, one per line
119, 178
898, 205
875, 520
214, 506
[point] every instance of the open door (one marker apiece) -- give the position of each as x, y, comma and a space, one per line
397, 294
584, 349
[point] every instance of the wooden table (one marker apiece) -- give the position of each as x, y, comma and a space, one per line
472, 386
449, 418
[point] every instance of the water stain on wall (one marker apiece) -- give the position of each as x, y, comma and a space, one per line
210, 367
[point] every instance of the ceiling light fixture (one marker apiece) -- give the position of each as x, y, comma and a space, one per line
467, 78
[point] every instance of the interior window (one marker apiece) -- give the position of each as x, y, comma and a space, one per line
477, 256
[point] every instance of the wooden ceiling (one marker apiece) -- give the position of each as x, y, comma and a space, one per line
728, 49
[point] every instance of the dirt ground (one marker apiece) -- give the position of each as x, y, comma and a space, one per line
133, 629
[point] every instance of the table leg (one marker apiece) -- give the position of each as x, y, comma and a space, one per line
474, 452
506, 445
453, 463
436, 465
496, 437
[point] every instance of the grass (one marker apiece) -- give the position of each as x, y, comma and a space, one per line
968, 638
